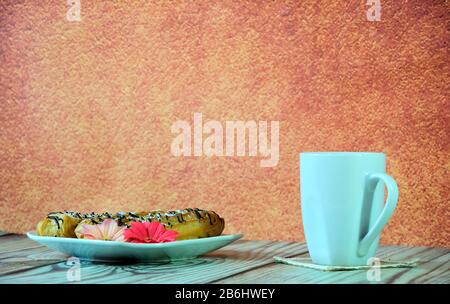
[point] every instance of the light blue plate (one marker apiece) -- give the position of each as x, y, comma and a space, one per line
118, 251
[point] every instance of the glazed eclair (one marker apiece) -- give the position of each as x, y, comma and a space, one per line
188, 223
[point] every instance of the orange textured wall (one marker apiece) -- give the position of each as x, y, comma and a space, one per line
86, 107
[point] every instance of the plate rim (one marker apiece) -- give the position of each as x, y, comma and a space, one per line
37, 238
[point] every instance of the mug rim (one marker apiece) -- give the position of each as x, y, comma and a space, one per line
342, 153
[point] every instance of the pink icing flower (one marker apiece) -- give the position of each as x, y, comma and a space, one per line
108, 230
149, 233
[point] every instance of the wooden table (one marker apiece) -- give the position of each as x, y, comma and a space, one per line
25, 261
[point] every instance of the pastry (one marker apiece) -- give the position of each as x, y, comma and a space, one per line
60, 224
188, 223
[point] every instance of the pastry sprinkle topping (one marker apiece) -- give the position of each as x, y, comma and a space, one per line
190, 223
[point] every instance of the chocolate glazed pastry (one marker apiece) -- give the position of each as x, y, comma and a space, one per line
122, 219
188, 223
59, 224
63, 224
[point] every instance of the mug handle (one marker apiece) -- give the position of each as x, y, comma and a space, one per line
388, 209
